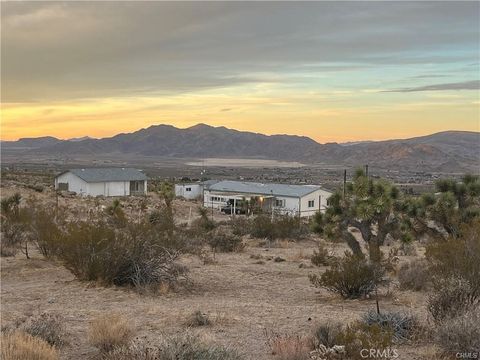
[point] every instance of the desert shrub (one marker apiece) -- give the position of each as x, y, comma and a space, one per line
460, 334
281, 227
451, 297
351, 277
241, 226
289, 347
198, 318
401, 325
46, 231
137, 256
110, 331
408, 249
359, 335
15, 225
327, 334
203, 223
223, 241
457, 257
21, 346
48, 327
321, 256
182, 347
414, 275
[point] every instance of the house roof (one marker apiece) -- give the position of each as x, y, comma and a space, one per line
264, 189
108, 174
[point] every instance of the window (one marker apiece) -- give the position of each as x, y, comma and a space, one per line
279, 203
188, 189
311, 203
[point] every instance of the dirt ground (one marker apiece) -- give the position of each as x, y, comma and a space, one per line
246, 295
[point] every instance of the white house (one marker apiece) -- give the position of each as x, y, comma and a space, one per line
298, 200
194, 190
103, 181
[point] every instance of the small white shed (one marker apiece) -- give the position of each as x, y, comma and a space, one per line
189, 191
103, 181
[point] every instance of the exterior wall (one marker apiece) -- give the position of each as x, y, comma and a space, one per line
216, 203
195, 193
319, 197
292, 205
81, 187
289, 208
74, 183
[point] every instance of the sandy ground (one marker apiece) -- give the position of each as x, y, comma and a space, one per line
247, 298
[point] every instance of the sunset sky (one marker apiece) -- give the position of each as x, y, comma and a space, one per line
333, 71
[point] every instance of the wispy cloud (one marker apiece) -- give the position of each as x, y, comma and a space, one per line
464, 85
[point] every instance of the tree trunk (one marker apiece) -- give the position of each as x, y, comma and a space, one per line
374, 250
352, 243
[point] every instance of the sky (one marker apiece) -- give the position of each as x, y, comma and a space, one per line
333, 71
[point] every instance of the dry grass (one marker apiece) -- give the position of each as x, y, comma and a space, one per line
110, 331
290, 347
21, 346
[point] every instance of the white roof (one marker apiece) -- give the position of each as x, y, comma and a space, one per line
264, 189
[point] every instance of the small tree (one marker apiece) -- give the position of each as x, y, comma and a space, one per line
442, 214
370, 206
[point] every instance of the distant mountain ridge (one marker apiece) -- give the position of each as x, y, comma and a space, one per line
444, 151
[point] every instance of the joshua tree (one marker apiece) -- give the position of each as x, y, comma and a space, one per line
442, 214
371, 206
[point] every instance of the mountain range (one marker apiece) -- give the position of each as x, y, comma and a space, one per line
452, 151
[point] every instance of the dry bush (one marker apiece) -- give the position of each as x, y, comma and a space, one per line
198, 318
458, 257
321, 256
241, 226
460, 334
137, 255
281, 227
289, 347
327, 334
359, 335
21, 346
351, 277
48, 327
222, 240
110, 331
451, 297
414, 275
182, 347
402, 326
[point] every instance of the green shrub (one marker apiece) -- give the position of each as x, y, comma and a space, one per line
281, 227
351, 277
414, 275
402, 326
359, 336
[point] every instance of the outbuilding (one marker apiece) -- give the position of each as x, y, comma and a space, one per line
296, 200
103, 181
